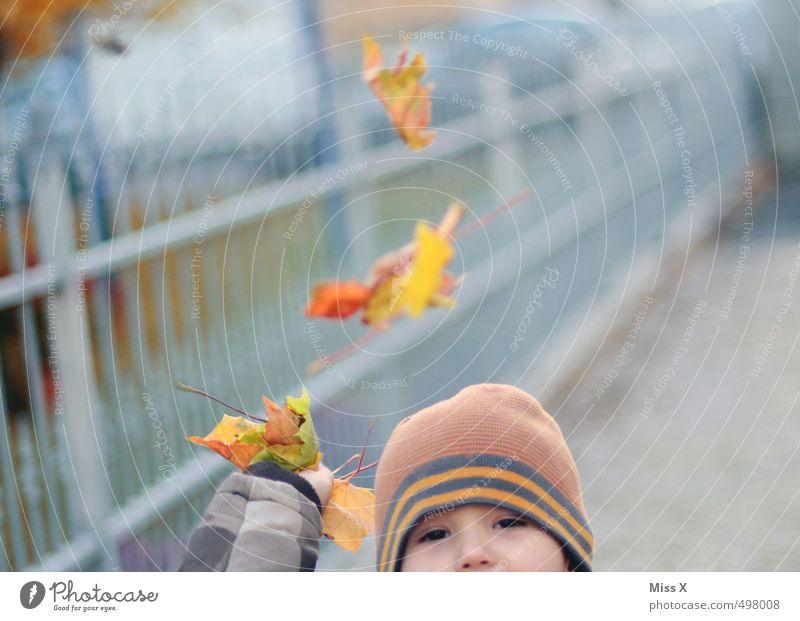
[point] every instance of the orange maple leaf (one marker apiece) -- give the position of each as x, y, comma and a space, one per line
282, 425
349, 515
338, 299
225, 439
407, 101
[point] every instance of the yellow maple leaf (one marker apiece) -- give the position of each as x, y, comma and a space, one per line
407, 101
349, 515
424, 279
382, 304
410, 286
410, 278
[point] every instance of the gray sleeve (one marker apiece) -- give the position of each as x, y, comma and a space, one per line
256, 524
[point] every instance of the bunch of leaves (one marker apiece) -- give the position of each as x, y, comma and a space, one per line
405, 281
406, 99
408, 280
287, 438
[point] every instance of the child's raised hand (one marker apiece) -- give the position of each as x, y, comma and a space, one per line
321, 480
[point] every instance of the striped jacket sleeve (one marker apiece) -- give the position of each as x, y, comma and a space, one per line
266, 519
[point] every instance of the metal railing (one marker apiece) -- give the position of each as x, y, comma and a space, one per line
96, 473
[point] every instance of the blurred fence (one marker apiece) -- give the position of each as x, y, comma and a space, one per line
196, 284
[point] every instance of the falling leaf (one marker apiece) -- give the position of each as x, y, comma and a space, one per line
406, 100
385, 280
382, 304
407, 280
425, 278
349, 515
338, 299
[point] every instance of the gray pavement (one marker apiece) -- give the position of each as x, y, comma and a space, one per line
686, 424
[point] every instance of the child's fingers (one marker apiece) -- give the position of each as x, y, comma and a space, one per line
321, 480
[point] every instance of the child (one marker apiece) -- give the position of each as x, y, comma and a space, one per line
481, 481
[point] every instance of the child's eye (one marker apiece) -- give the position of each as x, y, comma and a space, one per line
508, 522
434, 535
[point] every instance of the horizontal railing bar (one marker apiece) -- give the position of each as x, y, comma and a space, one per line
79, 553
24, 286
139, 513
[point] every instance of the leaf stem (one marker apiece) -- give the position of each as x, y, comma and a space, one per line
317, 366
366, 441
486, 218
359, 470
197, 391
355, 455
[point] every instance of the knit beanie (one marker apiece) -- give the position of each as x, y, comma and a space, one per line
490, 444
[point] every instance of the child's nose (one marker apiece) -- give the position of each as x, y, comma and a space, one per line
475, 556
472, 564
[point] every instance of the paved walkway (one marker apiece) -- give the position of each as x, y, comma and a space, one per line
686, 427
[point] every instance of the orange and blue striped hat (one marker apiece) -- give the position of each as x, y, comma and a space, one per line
490, 444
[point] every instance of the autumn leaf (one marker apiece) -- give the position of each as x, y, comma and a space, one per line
407, 101
304, 454
382, 304
291, 458
338, 299
391, 274
424, 279
407, 280
286, 436
282, 425
349, 515
300, 405
226, 439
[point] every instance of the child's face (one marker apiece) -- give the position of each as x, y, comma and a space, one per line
478, 537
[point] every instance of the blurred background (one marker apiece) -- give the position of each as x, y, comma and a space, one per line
176, 175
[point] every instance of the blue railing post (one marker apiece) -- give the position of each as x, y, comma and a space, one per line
326, 139
68, 336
